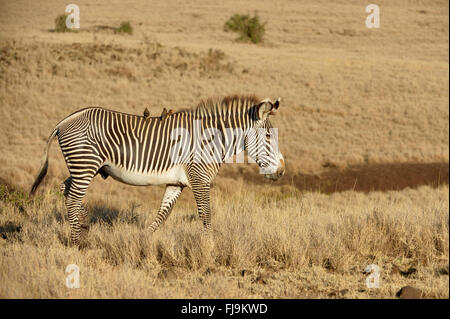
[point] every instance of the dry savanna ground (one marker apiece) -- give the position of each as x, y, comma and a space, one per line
363, 125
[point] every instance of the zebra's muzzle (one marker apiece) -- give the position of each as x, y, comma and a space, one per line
279, 172
275, 176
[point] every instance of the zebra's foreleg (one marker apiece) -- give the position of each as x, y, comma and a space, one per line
202, 199
170, 197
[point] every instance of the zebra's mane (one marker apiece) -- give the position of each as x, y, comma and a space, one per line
218, 105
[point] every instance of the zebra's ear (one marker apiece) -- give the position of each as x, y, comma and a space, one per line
277, 103
265, 108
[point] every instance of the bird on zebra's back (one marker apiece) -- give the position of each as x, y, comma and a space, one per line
175, 149
146, 113
163, 115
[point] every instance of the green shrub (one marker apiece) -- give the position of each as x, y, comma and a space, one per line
125, 27
60, 24
249, 28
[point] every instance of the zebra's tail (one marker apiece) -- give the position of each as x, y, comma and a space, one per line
44, 165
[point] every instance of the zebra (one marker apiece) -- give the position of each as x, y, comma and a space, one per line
138, 150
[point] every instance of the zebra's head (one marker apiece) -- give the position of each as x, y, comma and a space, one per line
262, 141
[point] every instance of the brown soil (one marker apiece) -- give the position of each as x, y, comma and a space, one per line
365, 178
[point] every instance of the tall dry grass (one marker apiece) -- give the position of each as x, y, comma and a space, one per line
274, 243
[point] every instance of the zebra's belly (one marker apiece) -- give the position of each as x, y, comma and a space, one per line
174, 175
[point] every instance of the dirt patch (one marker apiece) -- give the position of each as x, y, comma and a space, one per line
364, 178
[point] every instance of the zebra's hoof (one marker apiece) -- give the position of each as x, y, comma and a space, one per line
75, 243
153, 227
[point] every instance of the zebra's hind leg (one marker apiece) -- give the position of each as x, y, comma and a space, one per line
83, 216
170, 197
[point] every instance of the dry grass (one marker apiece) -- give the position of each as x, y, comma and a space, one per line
350, 96
268, 242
